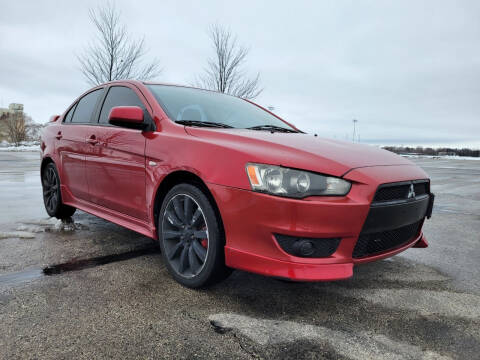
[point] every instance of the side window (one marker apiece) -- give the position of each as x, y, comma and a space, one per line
86, 106
118, 96
68, 117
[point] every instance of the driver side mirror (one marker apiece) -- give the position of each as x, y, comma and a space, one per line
127, 116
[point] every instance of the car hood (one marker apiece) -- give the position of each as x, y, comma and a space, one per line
297, 150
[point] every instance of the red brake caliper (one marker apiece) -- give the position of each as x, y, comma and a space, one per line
204, 242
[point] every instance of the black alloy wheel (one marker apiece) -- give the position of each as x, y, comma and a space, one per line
50, 189
191, 239
52, 197
185, 235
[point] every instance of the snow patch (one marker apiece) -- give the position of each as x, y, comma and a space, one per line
444, 157
31, 229
23, 146
65, 225
17, 235
52, 225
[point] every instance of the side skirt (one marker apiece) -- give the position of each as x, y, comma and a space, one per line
113, 216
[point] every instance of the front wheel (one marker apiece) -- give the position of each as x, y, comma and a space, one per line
52, 197
191, 239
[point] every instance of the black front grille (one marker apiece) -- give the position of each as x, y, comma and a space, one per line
392, 193
376, 243
308, 247
399, 191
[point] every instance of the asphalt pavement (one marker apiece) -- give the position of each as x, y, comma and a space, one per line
91, 289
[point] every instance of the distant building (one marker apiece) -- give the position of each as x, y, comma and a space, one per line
13, 108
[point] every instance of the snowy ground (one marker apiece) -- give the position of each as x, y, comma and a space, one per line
24, 146
446, 157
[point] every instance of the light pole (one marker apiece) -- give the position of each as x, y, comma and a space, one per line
354, 123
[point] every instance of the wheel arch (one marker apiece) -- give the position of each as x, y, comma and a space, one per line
182, 177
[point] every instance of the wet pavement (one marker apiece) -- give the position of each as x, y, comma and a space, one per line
19, 187
95, 290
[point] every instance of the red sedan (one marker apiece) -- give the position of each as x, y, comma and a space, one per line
223, 183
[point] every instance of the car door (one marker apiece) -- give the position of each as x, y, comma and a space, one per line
70, 143
115, 161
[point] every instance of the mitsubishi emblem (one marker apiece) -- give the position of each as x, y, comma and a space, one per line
411, 192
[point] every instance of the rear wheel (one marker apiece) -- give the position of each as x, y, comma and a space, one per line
52, 197
191, 239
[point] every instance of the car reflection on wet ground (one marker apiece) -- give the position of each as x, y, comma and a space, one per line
91, 289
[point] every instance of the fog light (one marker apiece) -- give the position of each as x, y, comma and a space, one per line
307, 247
304, 248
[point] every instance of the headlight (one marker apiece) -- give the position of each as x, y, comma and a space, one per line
277, 180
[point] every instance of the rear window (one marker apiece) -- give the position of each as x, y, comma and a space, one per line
68, 117
86, 106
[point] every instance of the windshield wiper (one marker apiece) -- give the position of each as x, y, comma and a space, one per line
203, 123
272, 128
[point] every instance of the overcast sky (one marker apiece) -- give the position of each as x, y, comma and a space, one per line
409, 71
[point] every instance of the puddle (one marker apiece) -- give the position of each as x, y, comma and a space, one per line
74, 265
21, 196
19, 277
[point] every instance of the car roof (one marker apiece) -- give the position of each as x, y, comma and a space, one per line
138, 82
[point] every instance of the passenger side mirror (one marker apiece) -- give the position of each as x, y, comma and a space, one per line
127, 116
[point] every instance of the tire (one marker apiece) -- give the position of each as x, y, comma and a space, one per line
52, 197
191, 238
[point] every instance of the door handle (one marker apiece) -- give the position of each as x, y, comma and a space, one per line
59, 135
92, 140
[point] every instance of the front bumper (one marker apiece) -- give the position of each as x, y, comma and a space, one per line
252, 219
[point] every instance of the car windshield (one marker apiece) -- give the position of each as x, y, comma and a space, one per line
194, 107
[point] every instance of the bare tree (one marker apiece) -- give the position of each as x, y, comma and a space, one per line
17, 126
34, 130
225, 72
114, 55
